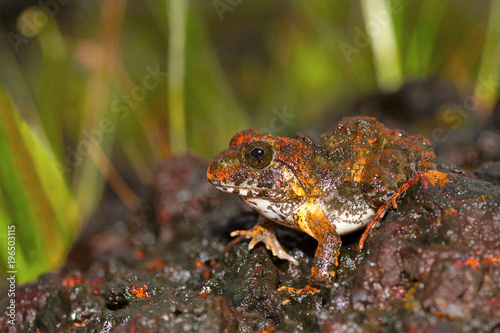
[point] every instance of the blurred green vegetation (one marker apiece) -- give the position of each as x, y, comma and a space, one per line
97, 91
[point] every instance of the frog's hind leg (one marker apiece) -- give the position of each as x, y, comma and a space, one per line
385, 173
263, 232
381, 176
382, 210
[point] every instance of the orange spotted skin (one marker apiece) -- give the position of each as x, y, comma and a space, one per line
326, 187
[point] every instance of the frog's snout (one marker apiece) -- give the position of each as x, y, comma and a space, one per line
210, 177
210, 173
218, 171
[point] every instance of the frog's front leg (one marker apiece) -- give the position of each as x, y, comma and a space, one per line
263, 232
312, 220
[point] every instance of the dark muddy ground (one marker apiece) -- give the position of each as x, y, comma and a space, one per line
432, 266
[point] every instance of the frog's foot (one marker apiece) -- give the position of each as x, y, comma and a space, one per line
260, 233
307, 290
379, 215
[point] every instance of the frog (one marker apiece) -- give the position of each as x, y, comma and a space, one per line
338, 183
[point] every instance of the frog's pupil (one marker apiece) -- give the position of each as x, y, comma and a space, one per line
257, 152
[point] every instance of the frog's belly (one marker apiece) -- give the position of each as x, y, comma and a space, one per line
345, 224
356, 218
275, 211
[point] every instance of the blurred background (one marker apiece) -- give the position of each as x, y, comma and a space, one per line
95, 94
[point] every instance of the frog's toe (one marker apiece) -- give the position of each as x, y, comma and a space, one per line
255, 235
279, 252
255, 240
248, 234
307, 290
259, 234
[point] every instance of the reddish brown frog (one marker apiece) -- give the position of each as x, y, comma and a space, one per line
326, 187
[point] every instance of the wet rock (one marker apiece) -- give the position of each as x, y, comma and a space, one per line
167, 313
489, 172
432, 266
438, 254
54, 304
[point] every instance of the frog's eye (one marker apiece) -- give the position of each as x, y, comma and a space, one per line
259, 155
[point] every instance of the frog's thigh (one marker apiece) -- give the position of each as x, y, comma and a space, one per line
382, 175
312, 220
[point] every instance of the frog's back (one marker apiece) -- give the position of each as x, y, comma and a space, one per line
358, 132
370, 158
362, 137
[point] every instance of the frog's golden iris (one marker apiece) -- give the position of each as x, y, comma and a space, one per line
259, 154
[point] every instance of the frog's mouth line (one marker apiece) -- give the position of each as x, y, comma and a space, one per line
247, 192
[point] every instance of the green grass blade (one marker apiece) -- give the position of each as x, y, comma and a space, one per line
423, 39
35, 197
378, 23
214, 114
177, 14
486, 90
53, 94
15, 210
